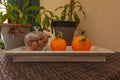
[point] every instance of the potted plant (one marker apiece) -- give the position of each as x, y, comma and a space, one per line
68, 20
14, 32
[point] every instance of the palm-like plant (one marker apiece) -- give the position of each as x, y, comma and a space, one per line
69, 19
69, 11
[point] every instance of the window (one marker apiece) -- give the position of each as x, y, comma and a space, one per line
2, 8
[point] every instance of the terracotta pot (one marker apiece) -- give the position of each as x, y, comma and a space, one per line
15, 39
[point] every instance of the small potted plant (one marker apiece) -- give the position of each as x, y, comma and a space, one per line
68, 20
15, 31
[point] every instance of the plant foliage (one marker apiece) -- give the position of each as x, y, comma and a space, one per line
70, 11
44, 19
17, 14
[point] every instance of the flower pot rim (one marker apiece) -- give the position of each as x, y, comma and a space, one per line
65, 21
16, 25
64, 24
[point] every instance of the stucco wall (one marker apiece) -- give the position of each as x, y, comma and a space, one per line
102, 22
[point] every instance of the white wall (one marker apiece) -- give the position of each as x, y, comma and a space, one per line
102, 22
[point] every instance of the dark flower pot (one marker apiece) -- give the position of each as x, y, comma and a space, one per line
67, 27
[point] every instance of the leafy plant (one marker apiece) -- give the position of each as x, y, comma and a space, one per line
69, 11
2, 46
2, 17
17, 14
44, 19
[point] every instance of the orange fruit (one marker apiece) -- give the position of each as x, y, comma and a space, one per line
81, 43
58, 44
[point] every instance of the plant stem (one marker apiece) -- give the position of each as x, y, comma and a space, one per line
59, 34
70, 12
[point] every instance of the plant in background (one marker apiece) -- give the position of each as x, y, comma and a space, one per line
2, 18
44, 19
2, 46
18, 21
69, 11
69, 19
17, 15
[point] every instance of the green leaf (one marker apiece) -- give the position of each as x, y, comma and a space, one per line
63, 15
76, 17
66, 6
4, 18
33, 16
59, 34
1, 21
50, 12
77, 3
46, 21
64, 12
2, 46
56, 17
16, 8
11, 2
60, 7
20, 14
38, 19
62, 18
23, 20
9, 8
25, 4
34, 8
13, 18
79, 6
